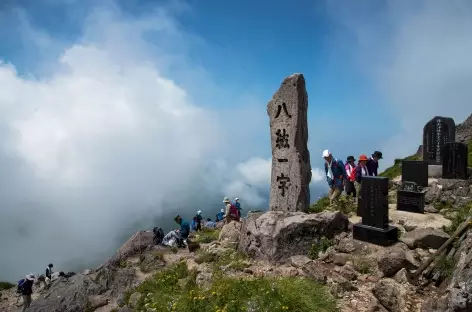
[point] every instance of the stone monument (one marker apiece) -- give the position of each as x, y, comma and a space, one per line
455, 161
374, 212
437, 132
415, 171
410, 197
291, 168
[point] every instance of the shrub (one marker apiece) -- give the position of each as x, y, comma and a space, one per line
164, 292
363, 264
6, 285
320, 205
321, 246
446, 266
462, 213
207, 236
204, 256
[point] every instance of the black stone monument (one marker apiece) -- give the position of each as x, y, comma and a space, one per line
415, 171
374, 211
410, 198
437, 132
455, 158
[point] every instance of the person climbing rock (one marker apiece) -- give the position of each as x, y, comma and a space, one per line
335, 175
373, 163
25, 288
238, 206
230, 213
49, 270
351, 176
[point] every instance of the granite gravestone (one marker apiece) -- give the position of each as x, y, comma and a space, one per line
455, 159
374, 211
437, 132
410, 198
415, 171
291, 169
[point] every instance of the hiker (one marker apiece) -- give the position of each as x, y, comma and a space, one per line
238, 206
49, 271
220, 215
231, 212
361, 171
158, 235
184, 228
25, 288
350, 176
335, 175
210, 224
198, 221
373, 163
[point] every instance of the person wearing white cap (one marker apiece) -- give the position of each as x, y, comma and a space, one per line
26, 288
220, 215
335, 175
198, 220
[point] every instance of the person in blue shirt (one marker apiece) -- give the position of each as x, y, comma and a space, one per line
210, 224
220, 215
238, 206
335, 175
184, 227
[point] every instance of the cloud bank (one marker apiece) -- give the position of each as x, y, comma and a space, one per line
112, 132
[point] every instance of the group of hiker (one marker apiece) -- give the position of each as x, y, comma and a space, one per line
179, 237
348, 177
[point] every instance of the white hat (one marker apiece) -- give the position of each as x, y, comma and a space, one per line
222, 210
326, 153
30, 277
199, 212
237, 198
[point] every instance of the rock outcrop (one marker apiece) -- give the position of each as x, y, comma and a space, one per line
276, 236
137, 243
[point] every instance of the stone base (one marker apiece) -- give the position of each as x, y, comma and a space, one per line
382, 237
435, 171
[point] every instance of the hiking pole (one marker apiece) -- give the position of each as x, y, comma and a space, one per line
459, 230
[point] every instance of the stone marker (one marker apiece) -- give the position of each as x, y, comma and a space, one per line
374, 211
455, 160
410, 198
437, 132
415, 171
291, 169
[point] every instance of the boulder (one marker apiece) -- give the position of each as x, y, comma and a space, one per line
394, 260
276, 235
230, 232
425, 238
317, 272
96, 302
136, 244
299, 261
340, 258
390, 294
67, 294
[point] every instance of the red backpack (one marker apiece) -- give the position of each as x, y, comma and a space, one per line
352, 176
233, 211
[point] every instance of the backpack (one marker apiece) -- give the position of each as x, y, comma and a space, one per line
21, 283
352, 176
233, 211
158, 235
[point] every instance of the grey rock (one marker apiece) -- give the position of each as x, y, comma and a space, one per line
136, 244
393, 261
349, 245
425, 238
289, 136
434, 304
134, 299
390, 294
464, 131
275, 236
340, 258
401, 276
317, 272
430, 209
96, 302
230, 232
348, 272
299, 261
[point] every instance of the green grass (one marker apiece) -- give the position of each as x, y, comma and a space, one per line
321, 246
164, 292
207, 236
363, 264
446, 266
6, 285
462, 213
320, 205
396, 170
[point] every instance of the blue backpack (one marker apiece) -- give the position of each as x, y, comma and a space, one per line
19, 289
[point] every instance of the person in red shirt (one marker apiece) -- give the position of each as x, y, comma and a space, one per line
350, 167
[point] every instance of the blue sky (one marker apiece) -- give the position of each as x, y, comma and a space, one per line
133, 111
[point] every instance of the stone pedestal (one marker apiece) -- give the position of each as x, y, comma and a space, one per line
373, 235
435, 171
